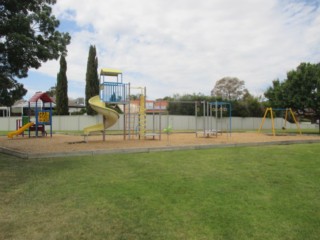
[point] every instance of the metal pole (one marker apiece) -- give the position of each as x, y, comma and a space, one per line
230, 122
153, 122
36, 116
216, 118
221, 119
160, 125
208, 119
263, 119
295, 120
50, 119
210, 114
104, 119
129, 112
124, 121
196, 116
272, 122
204, 118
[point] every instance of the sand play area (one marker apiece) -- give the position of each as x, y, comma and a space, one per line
61, 145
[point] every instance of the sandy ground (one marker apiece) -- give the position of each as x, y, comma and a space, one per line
72, 144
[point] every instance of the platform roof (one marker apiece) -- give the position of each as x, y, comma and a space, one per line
110, 72
44, 97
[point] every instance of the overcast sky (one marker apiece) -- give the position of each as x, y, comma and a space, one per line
185, 46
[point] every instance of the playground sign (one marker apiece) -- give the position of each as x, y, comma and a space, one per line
44, 117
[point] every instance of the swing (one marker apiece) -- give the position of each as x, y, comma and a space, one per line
285, 121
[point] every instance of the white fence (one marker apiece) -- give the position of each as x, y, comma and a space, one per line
77, 123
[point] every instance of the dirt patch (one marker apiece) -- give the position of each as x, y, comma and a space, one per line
59, 143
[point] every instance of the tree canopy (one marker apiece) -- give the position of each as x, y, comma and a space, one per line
229, 88
62, 107
247, 106
10, 91
92, 79
28, 37
300, 91
185, 104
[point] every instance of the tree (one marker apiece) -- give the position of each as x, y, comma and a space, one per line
276, 94
52, 91
229, 88
28, 37
302, 86
92, 80
248, 106
300, 91
10, 91
62, 89
185, 104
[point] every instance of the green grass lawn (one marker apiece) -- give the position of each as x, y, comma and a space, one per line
270, 192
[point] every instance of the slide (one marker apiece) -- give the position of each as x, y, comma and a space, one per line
110, 116
20, 130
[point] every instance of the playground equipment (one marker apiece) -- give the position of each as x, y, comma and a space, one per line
136, 123
287, 112
20, 130
110, 116
138, 116
42, 114
114, 91
217, 108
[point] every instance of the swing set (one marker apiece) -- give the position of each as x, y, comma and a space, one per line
288, 111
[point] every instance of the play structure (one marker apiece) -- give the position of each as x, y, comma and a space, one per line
110, 116
115, 93
288, 112
214, 110
41, 106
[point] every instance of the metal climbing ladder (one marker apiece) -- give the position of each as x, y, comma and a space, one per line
130, 123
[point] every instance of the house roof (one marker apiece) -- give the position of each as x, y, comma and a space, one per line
44, 97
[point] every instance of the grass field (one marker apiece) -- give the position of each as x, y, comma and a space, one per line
267, 192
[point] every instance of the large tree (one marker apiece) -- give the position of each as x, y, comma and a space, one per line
277, 96
300, 91
92, 79
229, 88
10, 91
248, 106
52, 92
28, 37
62, 89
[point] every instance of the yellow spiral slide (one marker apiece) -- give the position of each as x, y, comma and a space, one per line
110, 116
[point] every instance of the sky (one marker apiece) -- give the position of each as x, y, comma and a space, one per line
184, 46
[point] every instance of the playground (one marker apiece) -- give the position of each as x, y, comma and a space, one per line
135, 137
61, 144
91, 192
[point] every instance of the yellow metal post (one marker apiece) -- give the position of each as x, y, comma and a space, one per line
294, 119
264, 118
272, 122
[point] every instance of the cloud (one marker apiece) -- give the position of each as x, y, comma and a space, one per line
184, 46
